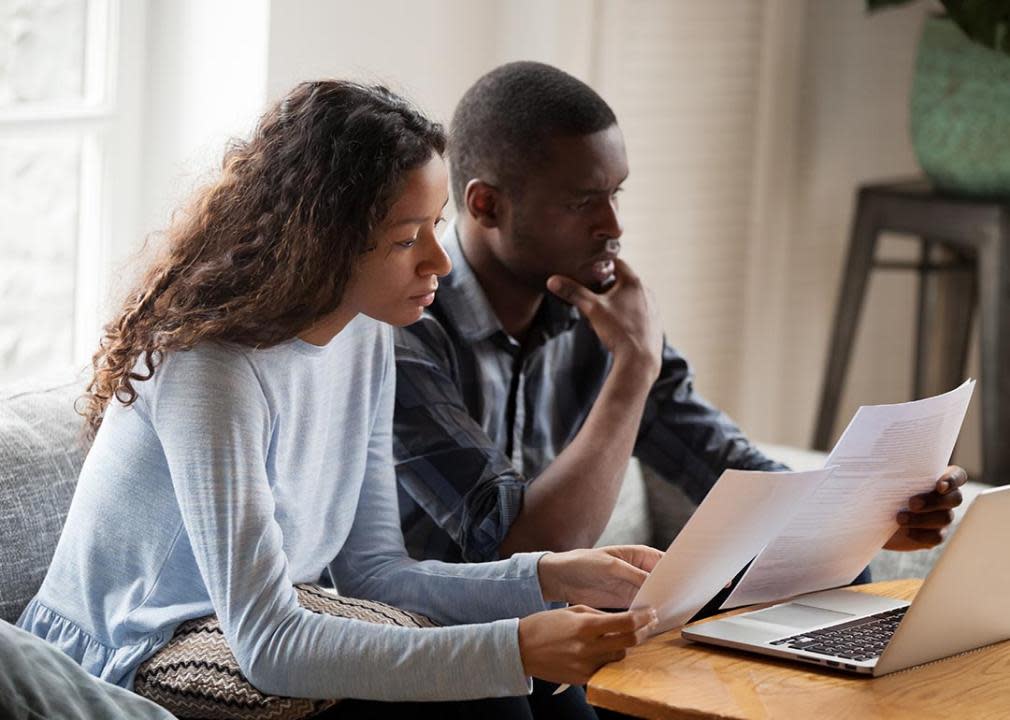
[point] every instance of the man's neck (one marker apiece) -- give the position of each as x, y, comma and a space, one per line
514, 303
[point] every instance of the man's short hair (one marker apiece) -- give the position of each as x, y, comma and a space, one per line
503, 122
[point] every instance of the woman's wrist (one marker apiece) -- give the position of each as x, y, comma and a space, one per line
551, 586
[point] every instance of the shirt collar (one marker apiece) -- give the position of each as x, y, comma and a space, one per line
462, 298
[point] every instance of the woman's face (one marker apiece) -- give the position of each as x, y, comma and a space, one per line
396, 280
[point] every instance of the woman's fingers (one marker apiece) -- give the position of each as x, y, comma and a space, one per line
641, 556
569, 645
622, 623
625, 572
620, 631
588, 610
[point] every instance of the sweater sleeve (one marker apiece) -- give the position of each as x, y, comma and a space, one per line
214, 423
374, 563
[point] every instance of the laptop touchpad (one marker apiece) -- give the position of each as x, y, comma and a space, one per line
798, 615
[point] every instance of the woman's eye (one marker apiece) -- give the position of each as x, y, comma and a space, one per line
439, 222
407, 244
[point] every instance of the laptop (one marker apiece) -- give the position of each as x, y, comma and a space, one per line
963, 604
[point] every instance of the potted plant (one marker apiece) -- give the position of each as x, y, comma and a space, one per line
960, 104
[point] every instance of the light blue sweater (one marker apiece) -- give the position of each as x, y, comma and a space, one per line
238, 473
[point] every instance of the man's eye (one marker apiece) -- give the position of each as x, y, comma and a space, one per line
580, 205
407, 244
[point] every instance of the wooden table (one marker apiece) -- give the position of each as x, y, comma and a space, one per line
669, 677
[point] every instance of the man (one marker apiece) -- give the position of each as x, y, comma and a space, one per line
541, 367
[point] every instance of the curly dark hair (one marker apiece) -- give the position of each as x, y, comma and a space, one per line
268, 248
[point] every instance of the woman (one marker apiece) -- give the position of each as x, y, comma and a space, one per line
242, 404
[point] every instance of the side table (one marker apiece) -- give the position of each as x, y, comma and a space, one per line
973, 236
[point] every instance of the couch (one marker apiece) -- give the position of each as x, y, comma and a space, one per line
41, 453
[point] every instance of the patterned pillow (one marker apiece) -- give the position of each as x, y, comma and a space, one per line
197, 676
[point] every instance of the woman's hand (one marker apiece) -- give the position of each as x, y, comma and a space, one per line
569, 645
605, 577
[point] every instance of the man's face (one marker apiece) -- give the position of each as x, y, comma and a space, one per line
563, 217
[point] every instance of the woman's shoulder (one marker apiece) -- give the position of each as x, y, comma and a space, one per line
215, 368
213, 358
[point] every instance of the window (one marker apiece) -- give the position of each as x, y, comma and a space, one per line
59, 117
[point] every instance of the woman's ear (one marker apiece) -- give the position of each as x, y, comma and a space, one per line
483, 202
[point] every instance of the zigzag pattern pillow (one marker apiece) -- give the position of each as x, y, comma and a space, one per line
197, 676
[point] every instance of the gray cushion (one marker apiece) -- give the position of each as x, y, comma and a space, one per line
39, 681
41, 451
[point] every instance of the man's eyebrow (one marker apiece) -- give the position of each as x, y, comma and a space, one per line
596, 190
415, 220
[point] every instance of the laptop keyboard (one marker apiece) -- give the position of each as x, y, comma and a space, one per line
862, 639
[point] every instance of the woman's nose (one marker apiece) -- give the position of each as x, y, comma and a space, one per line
437, 261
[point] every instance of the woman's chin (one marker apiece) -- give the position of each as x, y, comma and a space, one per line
399, 318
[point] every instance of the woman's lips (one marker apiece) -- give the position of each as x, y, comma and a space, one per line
424, 300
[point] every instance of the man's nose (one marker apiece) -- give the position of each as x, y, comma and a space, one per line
609, 224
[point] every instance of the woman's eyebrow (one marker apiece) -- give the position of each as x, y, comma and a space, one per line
416, 220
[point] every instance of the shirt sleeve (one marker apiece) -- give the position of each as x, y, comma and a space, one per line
214, 424
444, 460
686, 439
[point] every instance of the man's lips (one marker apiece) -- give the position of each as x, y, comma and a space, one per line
602, 270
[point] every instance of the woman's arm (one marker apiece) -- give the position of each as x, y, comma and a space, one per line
374, 564
214, 425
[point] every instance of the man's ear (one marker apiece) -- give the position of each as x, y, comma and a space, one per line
483, 202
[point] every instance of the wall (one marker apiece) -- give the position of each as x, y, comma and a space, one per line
849, 126
748, 124
433, 52
205, 82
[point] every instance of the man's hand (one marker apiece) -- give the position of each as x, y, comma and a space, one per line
605, 577
928, 515
624, 316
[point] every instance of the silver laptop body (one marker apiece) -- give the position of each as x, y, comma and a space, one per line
963, 604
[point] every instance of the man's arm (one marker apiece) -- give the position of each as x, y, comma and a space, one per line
686, 439
449, 466
572, 499
445, 463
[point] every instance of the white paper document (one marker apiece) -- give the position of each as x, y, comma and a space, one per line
739, 516
887, 454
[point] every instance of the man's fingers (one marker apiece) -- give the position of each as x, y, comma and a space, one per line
935, 520
925, 538
573, 293
624, 272
953, 477
930, 501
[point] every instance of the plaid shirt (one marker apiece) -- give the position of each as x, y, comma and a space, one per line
478, 416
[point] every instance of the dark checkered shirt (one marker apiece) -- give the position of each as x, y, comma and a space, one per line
478, 416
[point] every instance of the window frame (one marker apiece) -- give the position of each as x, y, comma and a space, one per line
107, 119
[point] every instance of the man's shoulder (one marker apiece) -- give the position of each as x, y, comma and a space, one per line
432, 335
